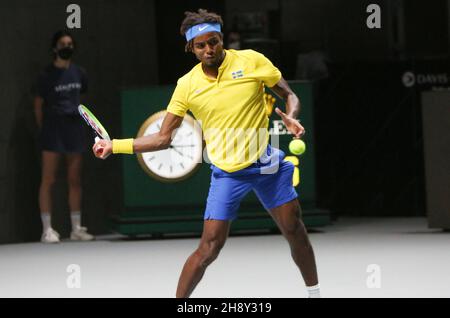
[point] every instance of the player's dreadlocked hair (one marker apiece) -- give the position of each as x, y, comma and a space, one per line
194, 18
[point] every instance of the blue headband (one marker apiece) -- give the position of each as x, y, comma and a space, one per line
200, 29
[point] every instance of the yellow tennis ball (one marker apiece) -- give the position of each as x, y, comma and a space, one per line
297, 147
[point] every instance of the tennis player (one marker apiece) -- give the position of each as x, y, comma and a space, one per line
226, 91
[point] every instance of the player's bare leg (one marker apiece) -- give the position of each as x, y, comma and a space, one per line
287, 217
214, 235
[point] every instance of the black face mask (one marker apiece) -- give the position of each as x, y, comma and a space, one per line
65, 53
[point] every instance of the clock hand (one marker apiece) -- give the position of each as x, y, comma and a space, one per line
182, 146
177, 151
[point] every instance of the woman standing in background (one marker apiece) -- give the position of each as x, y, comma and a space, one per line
59, 88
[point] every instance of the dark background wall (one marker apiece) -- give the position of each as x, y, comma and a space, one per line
117, 48
368, 133
173, 61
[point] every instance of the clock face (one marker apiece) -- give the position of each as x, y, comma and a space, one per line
181, 159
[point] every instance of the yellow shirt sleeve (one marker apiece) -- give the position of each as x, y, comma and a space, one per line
178, 104
265, 70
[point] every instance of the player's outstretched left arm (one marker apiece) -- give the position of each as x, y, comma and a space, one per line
289, 118
154, 142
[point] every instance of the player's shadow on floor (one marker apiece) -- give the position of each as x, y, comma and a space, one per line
159, 236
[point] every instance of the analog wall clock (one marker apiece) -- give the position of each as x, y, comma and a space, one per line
181, 159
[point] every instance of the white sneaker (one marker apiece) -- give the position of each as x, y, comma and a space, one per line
81, 234
50, 236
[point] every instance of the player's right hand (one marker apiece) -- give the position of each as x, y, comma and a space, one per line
102, 148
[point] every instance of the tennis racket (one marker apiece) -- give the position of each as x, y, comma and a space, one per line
95, 124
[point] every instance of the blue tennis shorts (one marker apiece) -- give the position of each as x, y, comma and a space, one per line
270, 178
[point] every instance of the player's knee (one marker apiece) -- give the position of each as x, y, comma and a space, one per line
293, 230
209, 251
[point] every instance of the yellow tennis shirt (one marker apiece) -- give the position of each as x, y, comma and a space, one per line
231, 108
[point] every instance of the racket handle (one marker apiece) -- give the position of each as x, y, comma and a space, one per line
100, 149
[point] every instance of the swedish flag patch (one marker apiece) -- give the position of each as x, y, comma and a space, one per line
237, 74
